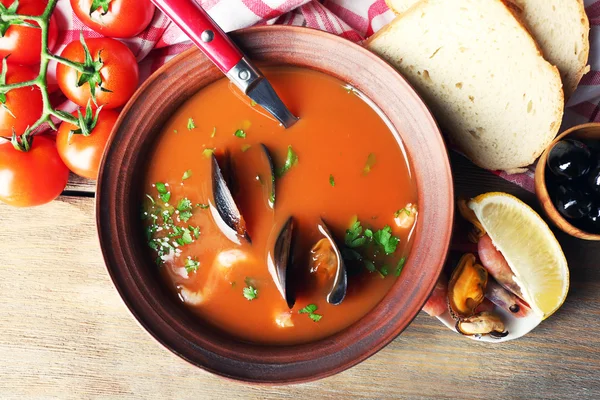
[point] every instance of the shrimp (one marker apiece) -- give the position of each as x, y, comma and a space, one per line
496, 265
506, 300
437, 304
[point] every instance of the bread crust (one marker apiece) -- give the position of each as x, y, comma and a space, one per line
555, 82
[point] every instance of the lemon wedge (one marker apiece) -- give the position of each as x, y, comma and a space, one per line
530, 248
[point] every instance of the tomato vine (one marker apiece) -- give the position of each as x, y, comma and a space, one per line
89, 71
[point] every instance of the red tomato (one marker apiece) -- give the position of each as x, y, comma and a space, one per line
25, 104
23, 43
31, 178
119, 73
82, 154
123, 19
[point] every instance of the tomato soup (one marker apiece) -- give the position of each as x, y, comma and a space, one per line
326, 209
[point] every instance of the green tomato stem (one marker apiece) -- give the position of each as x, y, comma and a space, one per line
40, 81
75, 65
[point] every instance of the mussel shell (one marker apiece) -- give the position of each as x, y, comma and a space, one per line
271, 181
279, 261
337, 293
466, 288
482, 324
225, 212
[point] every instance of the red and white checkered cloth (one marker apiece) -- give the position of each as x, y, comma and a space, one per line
353, 19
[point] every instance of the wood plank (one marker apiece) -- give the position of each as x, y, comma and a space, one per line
66, 333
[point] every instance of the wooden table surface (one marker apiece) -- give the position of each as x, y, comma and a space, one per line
66, 334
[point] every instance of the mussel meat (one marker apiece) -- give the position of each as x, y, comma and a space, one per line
482, 324
327, 264
279, 261
466, 289
270, 183
223, 208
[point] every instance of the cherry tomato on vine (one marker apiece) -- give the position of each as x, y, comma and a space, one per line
23, 106
115, 18
81, 153
31, 178
21, 42
113, 73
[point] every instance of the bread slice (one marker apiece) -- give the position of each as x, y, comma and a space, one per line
481, 74
561, 28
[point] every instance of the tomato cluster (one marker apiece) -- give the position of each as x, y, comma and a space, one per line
100, 75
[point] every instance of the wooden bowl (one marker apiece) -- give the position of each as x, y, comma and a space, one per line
136, 278
585, 131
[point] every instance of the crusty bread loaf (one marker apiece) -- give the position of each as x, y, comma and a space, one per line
561, 28
477, 67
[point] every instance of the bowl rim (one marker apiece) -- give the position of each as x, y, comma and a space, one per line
541, 189
443, 235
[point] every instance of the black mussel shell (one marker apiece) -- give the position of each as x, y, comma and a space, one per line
571, 203
569, 159
280, 261
270, 184
339, 286
225, 212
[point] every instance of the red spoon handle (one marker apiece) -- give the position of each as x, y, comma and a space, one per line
203, 31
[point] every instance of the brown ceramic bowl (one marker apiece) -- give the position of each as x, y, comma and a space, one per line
136, 278
585, 131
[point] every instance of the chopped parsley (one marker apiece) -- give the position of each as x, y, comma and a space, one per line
202, 206
163, 192
214, 132
191, 125
290, 161
310, 310
185, 209
370, 163
240, 133
331, 180
191, 264
354, 236
252, 103
400, 266
370, 266
175, 130
250, 292
187, 175
245, 147
384, 271
208, 152
386, 240
403, 210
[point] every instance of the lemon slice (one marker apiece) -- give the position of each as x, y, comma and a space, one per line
530, 248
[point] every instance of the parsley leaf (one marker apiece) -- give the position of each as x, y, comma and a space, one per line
184, 204
187, 175
202, 206
187, 236
331, 180
191, 265
195, 231
191, 125
354, 238
404, 210
384, 271
290, 161
250, 292
163, 192
310, 310
370, 163
384, 238
240, 133
185, 215
370, 266
400, 266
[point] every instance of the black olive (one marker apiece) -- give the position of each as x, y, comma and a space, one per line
572, 203
593, 180
569, 159
591, 222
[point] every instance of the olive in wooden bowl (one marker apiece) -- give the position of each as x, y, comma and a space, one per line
567, 181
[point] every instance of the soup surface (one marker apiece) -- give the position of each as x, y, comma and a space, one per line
340, 166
